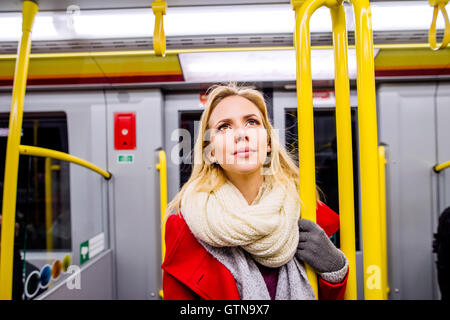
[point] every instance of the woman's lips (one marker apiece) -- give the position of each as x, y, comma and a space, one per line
243, 153
242, 149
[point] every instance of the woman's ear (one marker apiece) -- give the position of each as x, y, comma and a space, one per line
212, 159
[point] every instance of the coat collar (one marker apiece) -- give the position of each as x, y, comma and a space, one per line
189, 262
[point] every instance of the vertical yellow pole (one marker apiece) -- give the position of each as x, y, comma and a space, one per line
344, 146
29, 10
368, 146
305, 116
48, 204
162, 167
382, 170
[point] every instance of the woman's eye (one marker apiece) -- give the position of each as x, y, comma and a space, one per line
222, 127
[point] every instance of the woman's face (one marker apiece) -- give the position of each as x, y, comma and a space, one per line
238, 139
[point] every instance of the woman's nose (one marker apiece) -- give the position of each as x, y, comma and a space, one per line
241, 134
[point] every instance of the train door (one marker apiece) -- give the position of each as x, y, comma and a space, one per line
62, 240
285, 121
443, 138
413, 123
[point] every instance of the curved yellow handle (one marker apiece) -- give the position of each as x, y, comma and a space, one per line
159, 38
442, 166
439, 4
48, 153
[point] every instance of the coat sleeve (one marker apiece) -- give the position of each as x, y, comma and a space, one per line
174, 289
332, 291
328, 220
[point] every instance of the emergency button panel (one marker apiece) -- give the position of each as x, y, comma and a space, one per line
125, 131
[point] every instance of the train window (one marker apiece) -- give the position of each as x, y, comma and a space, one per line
188, 121
43, 222
326, 158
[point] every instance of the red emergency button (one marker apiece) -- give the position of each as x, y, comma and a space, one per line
125, 131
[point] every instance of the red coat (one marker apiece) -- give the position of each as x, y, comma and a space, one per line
190, 272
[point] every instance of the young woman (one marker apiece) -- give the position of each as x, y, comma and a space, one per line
238, 232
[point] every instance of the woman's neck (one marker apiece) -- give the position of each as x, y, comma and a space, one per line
248, 184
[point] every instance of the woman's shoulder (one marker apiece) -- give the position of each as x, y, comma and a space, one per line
175, 231
175, 220
327, 219
181, 245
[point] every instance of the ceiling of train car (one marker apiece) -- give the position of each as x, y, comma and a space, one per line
62, 5
211, 30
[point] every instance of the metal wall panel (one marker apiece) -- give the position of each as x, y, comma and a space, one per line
95, 282
134, 199
407, 125
443, 154
443, 133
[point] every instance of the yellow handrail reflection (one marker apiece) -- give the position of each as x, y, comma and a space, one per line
48, 204
29, 11
49, 168
382, 170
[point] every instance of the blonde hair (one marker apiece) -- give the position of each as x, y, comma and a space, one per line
210, 176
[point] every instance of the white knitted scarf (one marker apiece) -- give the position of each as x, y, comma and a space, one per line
267, 229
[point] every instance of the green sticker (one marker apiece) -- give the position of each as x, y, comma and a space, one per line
84, 252
125, 158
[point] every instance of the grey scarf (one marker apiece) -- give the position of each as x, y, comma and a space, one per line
292, 283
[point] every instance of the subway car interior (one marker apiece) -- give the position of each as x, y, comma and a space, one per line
100, 103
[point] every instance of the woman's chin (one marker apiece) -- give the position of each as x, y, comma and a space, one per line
243, 168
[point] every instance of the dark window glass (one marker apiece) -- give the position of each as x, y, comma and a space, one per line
326, 158
188, 121
43, 199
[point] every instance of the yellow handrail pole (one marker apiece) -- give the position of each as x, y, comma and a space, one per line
29, 11
48, 204
129, 53
442, 166
368, 146
162, 167
305, 116
159, 8
344, 146
43, 152
439, 4
382, 170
